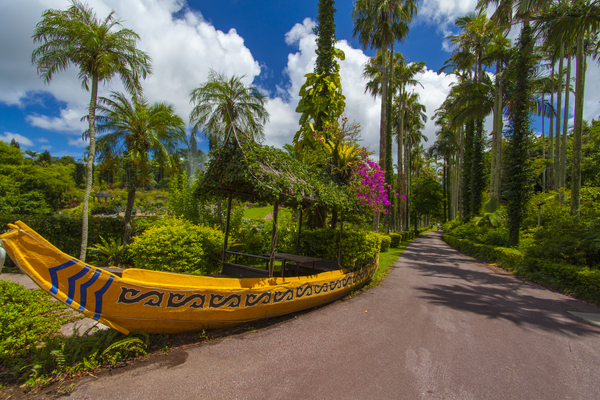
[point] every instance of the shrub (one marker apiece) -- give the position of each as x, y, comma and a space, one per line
569, 240
358, 247
176, 245
385, 243
395, 239
64, 231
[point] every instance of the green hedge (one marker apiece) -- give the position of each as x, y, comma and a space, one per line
398, 237
176, 245
579, 281
358, 247
485, 252
64, 232
385, 243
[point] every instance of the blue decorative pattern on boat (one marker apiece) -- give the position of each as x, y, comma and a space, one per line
99, 295
54, 274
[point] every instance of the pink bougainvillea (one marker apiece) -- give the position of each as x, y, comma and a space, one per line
370, 187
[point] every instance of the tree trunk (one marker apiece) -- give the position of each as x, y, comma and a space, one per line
577, 128
129, 208
563, 153
557, 157
543, 144
551, 133
400, 165
89, 167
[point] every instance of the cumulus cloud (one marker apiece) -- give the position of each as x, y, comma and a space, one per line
183, 49
78, 143
360, 106
22, 140
68, 121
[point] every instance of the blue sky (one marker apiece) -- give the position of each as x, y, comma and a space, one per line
268, 41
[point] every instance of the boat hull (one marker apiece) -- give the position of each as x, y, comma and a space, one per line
160, 302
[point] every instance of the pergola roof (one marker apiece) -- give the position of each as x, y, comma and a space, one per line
253, 172
103, 195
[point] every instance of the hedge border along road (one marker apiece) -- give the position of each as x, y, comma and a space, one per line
580, 282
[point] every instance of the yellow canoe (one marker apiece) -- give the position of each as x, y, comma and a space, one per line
157, 302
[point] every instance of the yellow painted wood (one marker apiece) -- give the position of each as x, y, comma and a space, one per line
157, 302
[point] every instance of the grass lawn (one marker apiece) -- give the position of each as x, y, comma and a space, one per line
256, 212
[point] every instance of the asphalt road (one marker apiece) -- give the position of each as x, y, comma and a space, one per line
441, 326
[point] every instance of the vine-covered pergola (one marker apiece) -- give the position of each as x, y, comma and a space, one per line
248, 171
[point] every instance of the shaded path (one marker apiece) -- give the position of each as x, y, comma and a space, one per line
441, 326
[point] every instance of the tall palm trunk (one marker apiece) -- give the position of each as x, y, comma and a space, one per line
563, 152
577, 128
400, 177
543, 143
551, 132
497, 137
382, 123
557, 157
89, 167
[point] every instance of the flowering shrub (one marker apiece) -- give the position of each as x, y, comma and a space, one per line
370, 187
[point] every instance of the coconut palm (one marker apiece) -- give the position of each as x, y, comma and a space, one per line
102, 49
222, 104
138, 129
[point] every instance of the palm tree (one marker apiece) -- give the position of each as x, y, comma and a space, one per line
101, 49
573, 23
138, 129
516, 185
414, 121
378, 24
222, 104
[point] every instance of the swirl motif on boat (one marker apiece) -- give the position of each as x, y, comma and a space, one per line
335, 284
126, 293
253, 299
304, 291
321, 288
177, 300
287, 295
219, 300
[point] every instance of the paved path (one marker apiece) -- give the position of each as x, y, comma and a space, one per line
441, 326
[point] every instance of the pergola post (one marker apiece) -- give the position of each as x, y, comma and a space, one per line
223, 259
273, 238
299, 231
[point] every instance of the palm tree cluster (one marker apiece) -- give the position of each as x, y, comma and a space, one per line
512, 82
134, 129
380, 24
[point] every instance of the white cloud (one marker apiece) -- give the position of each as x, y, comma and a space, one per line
78, 143
46, 147
22, 140
443, 13
182, 50
69, 121
360, 106
42, 140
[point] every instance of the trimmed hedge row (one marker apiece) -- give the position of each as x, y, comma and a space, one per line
385, 243
485, 252
582, 282
64, 231
398, 237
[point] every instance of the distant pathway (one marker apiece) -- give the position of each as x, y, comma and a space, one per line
441, 326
